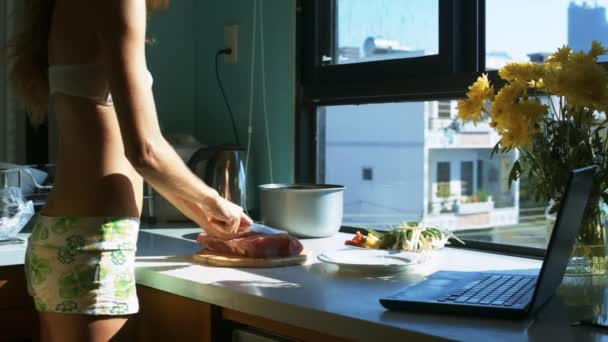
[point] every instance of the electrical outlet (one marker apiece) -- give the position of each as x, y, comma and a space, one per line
231, 40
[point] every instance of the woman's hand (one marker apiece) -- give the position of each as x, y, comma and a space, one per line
203, 215
224, 216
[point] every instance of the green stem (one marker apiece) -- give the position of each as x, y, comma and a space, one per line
593, 225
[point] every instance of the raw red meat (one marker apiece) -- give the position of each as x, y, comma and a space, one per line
254, 245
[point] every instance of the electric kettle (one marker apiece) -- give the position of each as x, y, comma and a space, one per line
221, 167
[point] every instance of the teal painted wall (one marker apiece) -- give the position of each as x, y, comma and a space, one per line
171, 59
188, 97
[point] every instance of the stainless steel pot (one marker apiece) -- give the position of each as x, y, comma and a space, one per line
304, 210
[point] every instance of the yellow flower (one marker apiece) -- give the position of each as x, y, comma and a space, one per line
560, 56
577, 77
537, 84
533, 110
480, 92
517, 116
518, 134
514, 116
468, 110
506, 97
597, 49
521, 72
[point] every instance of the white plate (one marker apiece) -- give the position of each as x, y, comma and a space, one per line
371, 260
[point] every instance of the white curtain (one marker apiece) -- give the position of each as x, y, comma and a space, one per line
12, 122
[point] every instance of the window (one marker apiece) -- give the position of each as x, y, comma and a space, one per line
466, 178
399, 29
415, 179
480, 174
395, 114
368, 174
444, 110
356, 49
419, 174
443, 180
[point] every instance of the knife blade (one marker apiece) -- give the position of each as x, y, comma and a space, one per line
262, 229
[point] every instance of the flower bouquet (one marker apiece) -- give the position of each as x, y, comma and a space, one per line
552, 113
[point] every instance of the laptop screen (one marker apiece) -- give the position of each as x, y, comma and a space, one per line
562, 240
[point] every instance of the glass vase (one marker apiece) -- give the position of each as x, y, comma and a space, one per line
588, 256
584, 296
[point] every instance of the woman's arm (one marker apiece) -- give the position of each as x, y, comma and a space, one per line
120, 26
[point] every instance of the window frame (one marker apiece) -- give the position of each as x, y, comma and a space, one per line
316, 88
459, 58
312, 94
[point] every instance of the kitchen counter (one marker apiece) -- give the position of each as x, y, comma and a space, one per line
320, 297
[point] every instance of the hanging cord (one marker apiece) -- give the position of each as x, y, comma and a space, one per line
252, 74
226, 51
263, 61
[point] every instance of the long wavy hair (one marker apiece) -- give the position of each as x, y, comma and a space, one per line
29, 55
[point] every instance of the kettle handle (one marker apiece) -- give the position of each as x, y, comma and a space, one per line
199, 155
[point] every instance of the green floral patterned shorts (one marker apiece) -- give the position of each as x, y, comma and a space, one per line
83, 265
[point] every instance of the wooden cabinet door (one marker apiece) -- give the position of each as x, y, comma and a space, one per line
276, 328
18, 318
167, 317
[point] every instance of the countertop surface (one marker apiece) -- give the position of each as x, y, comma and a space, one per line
321, 297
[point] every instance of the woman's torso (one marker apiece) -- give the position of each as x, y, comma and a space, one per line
93, 176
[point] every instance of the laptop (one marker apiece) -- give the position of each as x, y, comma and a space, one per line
503, 294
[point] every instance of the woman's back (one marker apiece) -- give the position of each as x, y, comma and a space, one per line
94, 177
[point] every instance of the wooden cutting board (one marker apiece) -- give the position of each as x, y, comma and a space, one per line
211, 258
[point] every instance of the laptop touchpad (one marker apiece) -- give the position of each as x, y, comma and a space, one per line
441, 283
437, 284
428, 289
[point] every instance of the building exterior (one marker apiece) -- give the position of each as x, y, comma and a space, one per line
415, 161
586, 23
467, 186
375, 49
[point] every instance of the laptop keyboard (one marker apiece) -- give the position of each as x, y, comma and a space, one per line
495, 290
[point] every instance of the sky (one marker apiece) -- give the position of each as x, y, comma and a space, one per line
408, 22
517, 27
523, 26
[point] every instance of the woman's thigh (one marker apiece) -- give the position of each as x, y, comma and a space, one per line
74, 327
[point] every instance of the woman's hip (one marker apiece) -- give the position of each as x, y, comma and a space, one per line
83, 265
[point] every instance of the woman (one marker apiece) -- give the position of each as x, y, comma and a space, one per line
85, 62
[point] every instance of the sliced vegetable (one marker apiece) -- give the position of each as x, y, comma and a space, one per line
351, 243
409, 236
357, 240
388, 240
373, 232
372, 241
